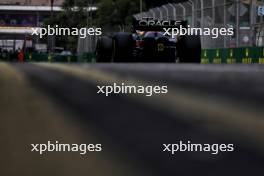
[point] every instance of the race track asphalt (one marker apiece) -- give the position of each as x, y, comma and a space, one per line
215, 104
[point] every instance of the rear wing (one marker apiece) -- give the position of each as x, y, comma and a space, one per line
151, 24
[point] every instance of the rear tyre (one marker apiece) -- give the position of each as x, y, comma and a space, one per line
123, 47
104, 49
189, 49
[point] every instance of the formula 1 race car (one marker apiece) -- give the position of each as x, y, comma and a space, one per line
148, 43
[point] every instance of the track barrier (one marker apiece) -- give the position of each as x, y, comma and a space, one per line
247, 55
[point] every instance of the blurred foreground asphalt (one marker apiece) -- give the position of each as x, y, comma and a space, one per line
205, 104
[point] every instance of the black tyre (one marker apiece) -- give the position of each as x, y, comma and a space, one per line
189, 49
123, 45
104, 49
